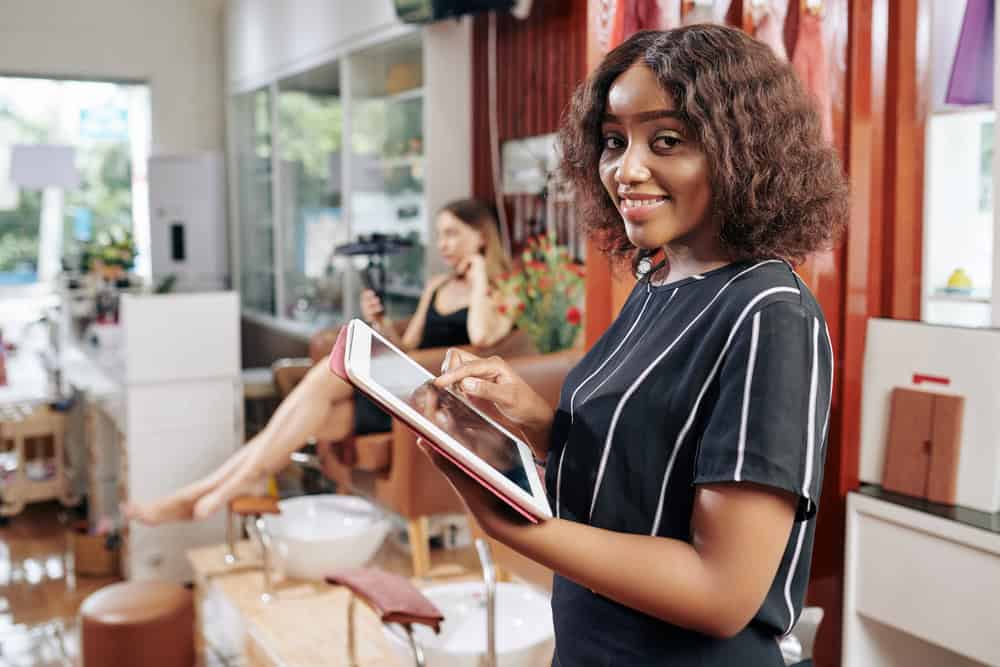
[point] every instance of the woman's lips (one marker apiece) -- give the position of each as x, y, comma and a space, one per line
639, 209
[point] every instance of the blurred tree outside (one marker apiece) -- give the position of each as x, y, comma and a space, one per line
105, 193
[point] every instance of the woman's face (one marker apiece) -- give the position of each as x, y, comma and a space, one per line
652, 167
456, 240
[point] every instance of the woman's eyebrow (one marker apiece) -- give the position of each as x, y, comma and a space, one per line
646, 116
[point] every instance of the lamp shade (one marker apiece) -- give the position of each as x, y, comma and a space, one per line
39, 166
971, 80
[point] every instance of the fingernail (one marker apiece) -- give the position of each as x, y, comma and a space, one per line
470, 384
445, 364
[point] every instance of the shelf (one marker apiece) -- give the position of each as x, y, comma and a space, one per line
402, 161
960, 109
976, 296
392, 98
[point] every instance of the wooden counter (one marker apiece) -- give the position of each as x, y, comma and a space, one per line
305, 625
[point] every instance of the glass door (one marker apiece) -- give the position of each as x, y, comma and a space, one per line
387, 164
252, 144
310, 120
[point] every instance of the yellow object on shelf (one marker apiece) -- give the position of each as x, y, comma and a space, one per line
959, 279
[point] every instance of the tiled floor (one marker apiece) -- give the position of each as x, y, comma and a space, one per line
39, 595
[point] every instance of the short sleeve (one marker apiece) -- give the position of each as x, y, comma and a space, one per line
769, 422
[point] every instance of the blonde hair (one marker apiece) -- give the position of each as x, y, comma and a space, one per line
480, 216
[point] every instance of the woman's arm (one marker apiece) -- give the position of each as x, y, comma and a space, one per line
714, 585
486, 324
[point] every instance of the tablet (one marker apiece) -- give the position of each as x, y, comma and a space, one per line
480, 446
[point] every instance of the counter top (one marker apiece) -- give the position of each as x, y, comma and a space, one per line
305, 625
969, 517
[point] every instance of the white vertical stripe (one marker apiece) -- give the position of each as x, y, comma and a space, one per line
811, 434
701, 394
604, 363
792, 567
621, 363
741, 448
572, 398
829, 395
562, 455
635, 385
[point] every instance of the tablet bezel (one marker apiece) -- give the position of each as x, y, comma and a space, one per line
357, 363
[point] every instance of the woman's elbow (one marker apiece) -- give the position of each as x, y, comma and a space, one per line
727, 623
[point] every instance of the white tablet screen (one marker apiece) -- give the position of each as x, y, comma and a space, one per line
405, 381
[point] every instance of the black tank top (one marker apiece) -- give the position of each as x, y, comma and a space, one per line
445, 330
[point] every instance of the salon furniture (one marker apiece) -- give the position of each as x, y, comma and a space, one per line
138, 624
389, 466
921, 584
32, 457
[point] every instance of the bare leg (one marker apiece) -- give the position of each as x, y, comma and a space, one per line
303, 413
299, 417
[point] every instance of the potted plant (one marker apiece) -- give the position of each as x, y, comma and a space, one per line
544, 295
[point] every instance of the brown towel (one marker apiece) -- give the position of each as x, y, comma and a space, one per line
394, 598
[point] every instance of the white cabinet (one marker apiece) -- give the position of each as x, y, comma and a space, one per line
188, 220
183, 414
920, 590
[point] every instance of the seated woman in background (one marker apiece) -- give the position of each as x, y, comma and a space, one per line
456, 308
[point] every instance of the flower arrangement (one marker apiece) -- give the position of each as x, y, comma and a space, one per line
544, 295
112, 253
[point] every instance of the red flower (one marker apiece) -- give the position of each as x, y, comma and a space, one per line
577, 269
573, 315
520, 306
502, 309
536, 265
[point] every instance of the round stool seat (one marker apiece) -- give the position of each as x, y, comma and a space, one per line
138, 623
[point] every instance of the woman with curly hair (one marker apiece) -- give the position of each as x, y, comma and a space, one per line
685, 461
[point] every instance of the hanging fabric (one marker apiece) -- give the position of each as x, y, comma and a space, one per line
699, 11
971, 80
651, 15
809, 60
769, 23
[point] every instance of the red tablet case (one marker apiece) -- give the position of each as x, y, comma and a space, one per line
339, 368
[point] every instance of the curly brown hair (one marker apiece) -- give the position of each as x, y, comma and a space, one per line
778, 190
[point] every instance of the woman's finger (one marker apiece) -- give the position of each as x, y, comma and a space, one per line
481, 368
455, 357
500, 394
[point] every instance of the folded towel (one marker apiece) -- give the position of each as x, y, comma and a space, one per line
394, 598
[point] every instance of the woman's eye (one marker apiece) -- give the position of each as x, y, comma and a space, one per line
613, 142
667, 141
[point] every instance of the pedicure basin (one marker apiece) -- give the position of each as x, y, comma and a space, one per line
524, 627
316, 535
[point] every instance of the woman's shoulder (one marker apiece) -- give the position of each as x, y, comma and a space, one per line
761, 284
436, 282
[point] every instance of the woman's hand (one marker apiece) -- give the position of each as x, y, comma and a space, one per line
372, 309
473, 269
493, 385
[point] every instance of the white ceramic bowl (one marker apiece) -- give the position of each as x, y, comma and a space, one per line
524, 627
315, 536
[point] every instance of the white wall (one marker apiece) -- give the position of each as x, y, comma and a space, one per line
176, 46
272, 38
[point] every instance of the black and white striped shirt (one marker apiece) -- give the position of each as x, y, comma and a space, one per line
722, 377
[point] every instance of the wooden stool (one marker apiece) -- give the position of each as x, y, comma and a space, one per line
138, 624
22, 429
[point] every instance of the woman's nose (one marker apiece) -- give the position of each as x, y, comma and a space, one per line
632, 168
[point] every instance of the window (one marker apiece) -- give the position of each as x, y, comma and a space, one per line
104, 129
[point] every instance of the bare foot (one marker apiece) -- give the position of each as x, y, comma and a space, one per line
165, 510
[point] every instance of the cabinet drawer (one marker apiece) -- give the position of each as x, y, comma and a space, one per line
931, 586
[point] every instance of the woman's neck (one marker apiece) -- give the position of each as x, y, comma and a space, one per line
683, 262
